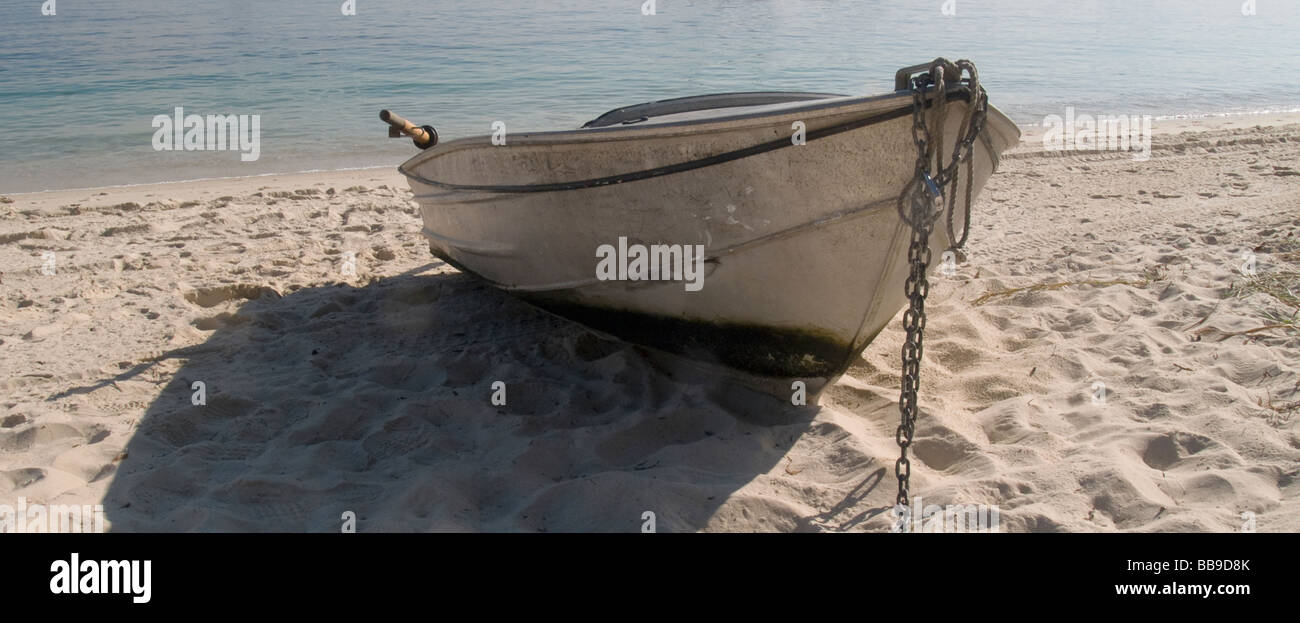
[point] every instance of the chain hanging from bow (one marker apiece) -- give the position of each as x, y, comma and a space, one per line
930, 192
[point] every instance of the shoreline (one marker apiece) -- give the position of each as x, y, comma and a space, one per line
1163, 127
200, 180
1029, 134
181, 192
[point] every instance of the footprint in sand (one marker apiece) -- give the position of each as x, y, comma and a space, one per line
15, 479
1166, 452
216, 295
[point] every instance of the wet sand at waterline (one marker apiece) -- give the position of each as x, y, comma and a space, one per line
1090, 275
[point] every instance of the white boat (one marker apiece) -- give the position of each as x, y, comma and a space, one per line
792, 197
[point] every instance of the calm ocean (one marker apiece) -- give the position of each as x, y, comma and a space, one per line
79, 89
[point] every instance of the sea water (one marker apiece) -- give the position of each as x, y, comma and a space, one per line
81, 81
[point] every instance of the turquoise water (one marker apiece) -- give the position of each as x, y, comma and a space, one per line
79, 89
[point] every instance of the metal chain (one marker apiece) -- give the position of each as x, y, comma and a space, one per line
963, 150
919, 205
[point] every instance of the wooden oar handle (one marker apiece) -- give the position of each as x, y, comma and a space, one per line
424, 137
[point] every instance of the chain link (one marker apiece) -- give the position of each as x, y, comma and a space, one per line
919, 205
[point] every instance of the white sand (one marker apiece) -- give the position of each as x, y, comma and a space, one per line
370, 393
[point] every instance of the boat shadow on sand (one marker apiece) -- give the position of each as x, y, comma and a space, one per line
378, 400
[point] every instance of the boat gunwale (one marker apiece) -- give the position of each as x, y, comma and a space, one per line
670, 169
959, 92
684, 127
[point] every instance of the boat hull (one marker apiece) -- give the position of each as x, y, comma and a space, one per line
805, 251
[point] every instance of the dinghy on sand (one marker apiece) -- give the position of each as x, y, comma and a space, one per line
765, 235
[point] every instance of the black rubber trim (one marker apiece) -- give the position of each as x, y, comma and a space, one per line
433, 137
689, 165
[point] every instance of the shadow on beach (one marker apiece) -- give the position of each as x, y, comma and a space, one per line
378, 400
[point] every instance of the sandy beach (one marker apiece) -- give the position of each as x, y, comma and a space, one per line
1100, 363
